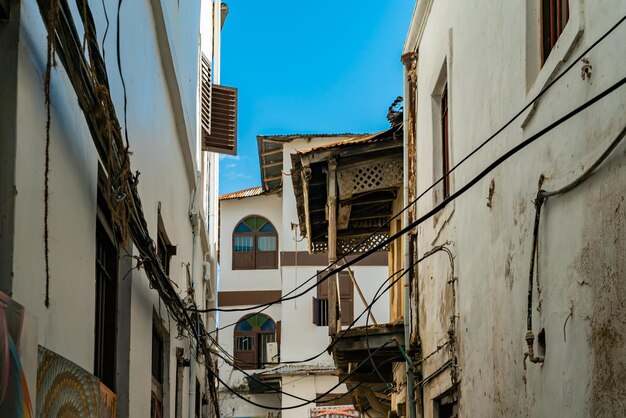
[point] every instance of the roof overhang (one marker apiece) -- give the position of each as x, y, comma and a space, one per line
369, 176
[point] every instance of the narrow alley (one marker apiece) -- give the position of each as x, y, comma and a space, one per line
410, 209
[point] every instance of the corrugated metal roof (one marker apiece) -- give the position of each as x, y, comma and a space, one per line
253, 191
361, 139
300, 368
271, 156
309, 135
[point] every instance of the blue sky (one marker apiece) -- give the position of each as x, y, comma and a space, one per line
304, 66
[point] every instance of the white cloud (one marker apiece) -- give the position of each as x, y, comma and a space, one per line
230, 157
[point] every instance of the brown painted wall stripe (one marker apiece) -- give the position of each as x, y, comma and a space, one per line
247, 297
288, 258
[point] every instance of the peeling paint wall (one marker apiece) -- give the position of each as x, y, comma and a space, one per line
487, 53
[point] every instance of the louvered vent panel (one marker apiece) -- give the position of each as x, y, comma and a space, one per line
205, 86
222, 136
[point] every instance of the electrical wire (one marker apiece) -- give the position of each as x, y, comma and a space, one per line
273, 388
429, 253
462, 161
106, 31
119, 69
90, 82
542, 196
284, 408
434, 210
367, 309
492, 136
343, 331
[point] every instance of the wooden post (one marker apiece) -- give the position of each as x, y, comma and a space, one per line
334, 314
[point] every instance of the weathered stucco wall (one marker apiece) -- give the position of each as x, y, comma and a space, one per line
67, 326
487, 53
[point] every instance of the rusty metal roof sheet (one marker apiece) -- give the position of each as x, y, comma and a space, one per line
270, 148
367, 208
299, 369
253, 191
359, 139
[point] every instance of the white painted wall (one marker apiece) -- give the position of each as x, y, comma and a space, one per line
489, 51
159, 152
232, 212
300, 338
306, 387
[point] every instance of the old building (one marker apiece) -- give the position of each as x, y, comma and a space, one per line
514, 113
347, 193
265, 257
108, 214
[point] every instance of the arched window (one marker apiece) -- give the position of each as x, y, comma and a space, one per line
255, 244
252, 334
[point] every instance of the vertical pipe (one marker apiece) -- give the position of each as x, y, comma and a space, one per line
180, 375
196, 267
409, 61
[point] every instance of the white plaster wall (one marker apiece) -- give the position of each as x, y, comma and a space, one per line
290, 212
491, 76
298, 313
300, 338
303, 339
233, 406
67, 327
232, 212
306, 387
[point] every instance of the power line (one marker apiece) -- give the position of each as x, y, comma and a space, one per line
264, 309
542, 196
344, 331
453, 168
273, 388
377, 296
436, 209
329, 391
492, 136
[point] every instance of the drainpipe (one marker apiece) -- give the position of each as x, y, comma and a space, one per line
196, 269
181, 363
410, 62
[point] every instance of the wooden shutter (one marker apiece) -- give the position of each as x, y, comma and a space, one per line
266, 259
347, 311
205, 96
322, 288
243, 260
222, 136
346, 298
316, 312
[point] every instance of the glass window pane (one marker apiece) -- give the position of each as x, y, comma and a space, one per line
268, 227
243, 244
251, 222
244, 343
244, 326
255, 222
269, 325
242, 228
267, 243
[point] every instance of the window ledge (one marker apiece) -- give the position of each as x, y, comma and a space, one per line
560, 54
